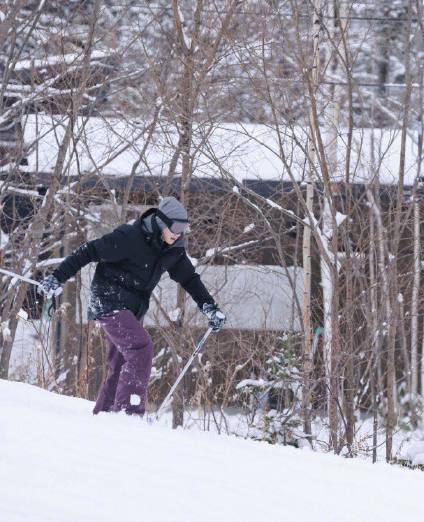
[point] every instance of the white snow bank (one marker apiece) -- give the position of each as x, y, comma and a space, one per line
60, 463
27, 356
414, 452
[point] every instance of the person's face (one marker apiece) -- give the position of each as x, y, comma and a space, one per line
169, 237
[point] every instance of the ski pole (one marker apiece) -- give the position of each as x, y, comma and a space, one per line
23, 278
32, 282
186, 367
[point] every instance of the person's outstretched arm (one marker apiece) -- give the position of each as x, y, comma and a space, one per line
183, 272
110, 247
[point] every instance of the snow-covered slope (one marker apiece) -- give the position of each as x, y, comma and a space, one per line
58, 463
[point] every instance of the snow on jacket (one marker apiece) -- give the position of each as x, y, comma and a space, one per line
131, 261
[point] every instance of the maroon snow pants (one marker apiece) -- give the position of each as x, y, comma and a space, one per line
129, 364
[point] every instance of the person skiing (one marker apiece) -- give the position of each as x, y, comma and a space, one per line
130, 262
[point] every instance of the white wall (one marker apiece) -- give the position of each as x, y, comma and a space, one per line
254, 297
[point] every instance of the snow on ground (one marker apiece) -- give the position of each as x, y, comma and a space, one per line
59, 463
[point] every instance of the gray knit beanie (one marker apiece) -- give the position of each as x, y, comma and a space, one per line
172, 208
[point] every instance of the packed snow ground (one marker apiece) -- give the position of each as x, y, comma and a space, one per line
59, 463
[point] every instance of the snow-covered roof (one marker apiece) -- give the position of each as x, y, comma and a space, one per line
67, 59
255, 297
111, 146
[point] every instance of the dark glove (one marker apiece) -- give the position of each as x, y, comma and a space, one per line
50, 287
216, 317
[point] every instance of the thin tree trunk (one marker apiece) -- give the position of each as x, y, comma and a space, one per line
414, 302
394, 284
329, 269
306, 249
349, 388
404, 343
389, 308
376, 336
417, 220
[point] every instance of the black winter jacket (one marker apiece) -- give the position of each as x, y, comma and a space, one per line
131, 261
